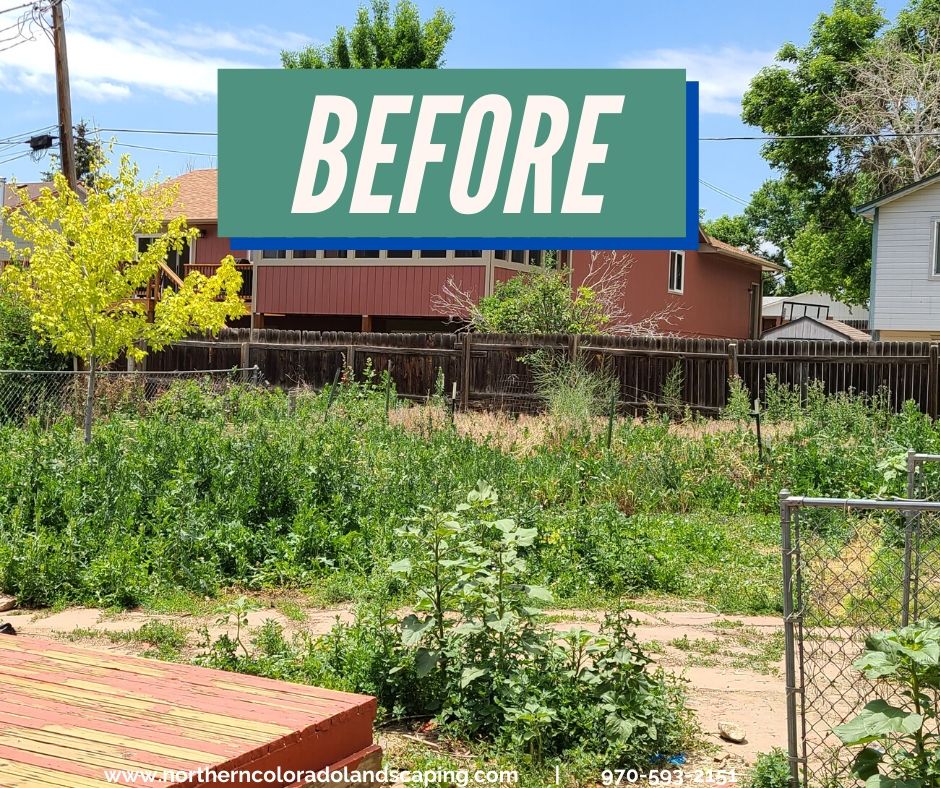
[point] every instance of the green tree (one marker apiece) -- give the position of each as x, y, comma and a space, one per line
20, 346
88, 156
807, 212
734, 230
84, 270
384, 39
540, 303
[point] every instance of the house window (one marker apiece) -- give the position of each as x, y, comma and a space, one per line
468, 253
273, 254
936, 249
535, 257
367, 254
518, 256
400, 254
434, 253
304, 254
333, 254
177, 261
676, 272
500, 254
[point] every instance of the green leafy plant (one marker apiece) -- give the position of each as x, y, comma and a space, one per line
672, 395
771, 770
573, 393
901, 745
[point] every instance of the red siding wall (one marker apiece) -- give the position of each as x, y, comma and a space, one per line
211, 249
716, 298
503, 274
391, 290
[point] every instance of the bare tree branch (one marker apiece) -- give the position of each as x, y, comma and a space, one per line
895, 92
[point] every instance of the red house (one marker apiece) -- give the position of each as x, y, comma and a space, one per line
714, 290
711, 291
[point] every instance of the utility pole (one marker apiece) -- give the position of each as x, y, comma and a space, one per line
66, 140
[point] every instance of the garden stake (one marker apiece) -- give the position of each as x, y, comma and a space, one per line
610, 419
453, 405
760, 444
329, 402
388, 389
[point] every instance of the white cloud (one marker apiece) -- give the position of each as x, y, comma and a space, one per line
113, 56
723, 74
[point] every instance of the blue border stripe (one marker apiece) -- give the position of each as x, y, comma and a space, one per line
690, 241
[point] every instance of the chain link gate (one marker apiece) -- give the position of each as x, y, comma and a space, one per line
850, 568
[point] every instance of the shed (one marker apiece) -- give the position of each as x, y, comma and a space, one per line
810, 328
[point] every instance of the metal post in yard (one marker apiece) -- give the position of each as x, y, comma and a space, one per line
909, 535
388, 389
789, 638
610, 418
453, 405
760, 442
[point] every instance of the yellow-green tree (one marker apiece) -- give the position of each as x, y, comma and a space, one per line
80, 271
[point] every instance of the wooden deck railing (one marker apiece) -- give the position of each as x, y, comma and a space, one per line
208, 269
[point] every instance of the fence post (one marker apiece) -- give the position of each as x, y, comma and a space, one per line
465, 372
351, 361
245, 360
789, 638
574, 342
732, 360
933, 380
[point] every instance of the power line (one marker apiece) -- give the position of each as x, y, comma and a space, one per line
165, 150
775, 137
13, 140
14, 158
722, 192
33, 4
162, 131
743, 137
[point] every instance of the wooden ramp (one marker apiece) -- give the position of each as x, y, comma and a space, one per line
70, 715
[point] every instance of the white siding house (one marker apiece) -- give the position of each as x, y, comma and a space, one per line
905, 271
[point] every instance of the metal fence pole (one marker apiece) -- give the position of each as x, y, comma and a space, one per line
909, 518
793, 744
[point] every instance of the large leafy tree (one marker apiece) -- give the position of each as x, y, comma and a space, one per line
80, 271
382, 39
807, 213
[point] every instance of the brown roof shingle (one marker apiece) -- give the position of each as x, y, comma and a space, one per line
197, 196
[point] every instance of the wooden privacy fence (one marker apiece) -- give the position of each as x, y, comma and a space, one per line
489, 372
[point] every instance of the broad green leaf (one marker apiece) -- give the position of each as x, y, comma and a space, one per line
876, 665
540, 593
402, 567
880, 781
470, 675
877, 720
426, 661
866, 763
412, 628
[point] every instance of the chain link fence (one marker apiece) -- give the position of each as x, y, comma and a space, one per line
850, 568
49, 396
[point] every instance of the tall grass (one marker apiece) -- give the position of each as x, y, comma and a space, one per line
208, 490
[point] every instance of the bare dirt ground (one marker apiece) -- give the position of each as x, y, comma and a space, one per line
733, 664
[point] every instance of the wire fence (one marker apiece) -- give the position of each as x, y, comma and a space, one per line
851, 568
49, 396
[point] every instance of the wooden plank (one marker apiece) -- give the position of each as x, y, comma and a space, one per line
68, 714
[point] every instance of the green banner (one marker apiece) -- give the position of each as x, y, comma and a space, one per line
456, 154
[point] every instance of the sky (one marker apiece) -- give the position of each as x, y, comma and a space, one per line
151, 64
